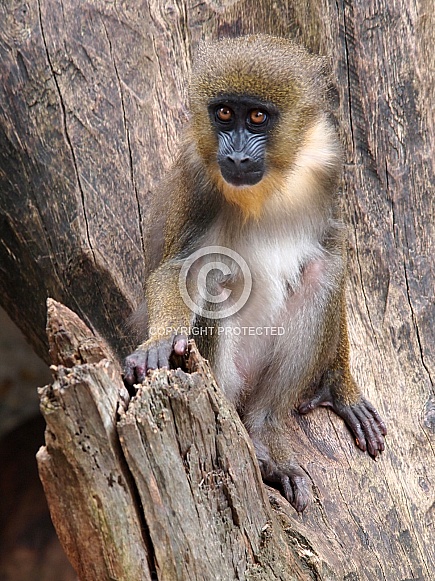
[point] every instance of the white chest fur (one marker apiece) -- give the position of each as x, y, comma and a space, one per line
293, 276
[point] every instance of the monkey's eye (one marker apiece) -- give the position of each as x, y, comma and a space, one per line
224, 114
257, 116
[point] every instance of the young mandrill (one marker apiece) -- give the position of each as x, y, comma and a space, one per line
254, 194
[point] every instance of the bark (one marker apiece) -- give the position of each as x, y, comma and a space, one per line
92, 101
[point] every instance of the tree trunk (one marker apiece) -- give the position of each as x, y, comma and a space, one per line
92, 101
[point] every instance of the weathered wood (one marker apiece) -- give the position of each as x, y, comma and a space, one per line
92, 100
199, 483
187, 473
89, 490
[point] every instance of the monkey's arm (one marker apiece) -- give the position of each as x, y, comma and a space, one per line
339, 391
168, 322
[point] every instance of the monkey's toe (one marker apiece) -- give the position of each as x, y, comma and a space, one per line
365, 424
295, 490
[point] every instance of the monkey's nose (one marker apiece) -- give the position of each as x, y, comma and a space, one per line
238, 158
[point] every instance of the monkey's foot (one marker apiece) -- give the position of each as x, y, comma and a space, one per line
361, 418
291, 481
289, 477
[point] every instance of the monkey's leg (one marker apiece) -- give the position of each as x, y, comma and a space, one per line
338, 390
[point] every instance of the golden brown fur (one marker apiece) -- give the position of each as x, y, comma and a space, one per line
288, 229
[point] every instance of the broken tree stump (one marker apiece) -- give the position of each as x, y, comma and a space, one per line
163, 486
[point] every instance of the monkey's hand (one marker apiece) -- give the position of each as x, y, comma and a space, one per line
361, 418
289, 477
154, 354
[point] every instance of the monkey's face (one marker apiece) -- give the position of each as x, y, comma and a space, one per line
242, 126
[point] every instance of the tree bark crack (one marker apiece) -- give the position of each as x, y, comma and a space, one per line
162, 76
415, 323
363, 289
348, 73
401, 545
323, 514
66, 132
127, 136
145, 530
408, 293
421, 550
364, 533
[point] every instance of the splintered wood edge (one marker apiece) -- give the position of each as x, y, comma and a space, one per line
70, 341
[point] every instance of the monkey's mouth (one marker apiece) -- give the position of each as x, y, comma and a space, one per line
242, 179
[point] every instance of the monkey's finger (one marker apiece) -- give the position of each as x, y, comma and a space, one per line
153, 357
135, 366
300, 501
370, 426
128, 373
377, 427
293, 484
354, 425
180, 344
287, 489
379, 438
164, 353
275, 476
295, 491
300, 489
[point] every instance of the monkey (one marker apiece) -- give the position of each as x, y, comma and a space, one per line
257, 177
